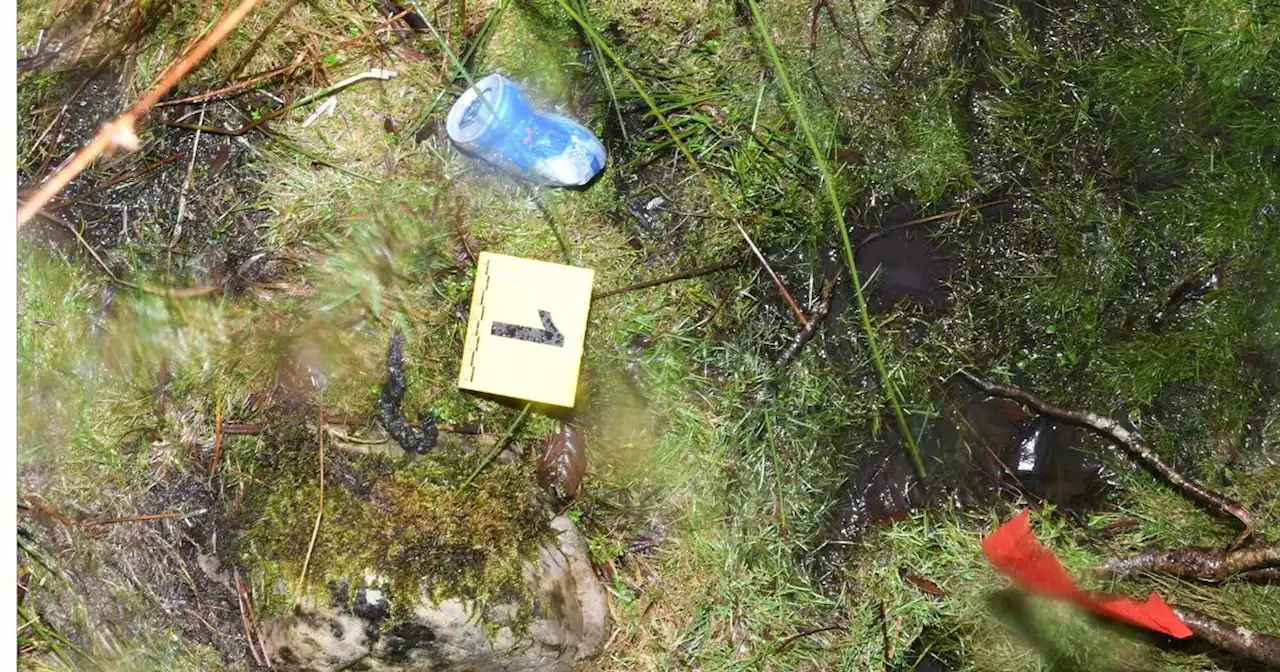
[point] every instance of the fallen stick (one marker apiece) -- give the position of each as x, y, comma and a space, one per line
810, 329
777, 282
1206, 564
682, 275
1233, 638
283, 70
244, 617
1134, 444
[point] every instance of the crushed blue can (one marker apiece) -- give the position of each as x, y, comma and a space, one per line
507, 132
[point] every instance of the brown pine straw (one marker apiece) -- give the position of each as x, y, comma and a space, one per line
120, 131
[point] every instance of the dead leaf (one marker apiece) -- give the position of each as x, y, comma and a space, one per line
563, 461
920, 582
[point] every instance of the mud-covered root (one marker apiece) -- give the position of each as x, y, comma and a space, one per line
1236, 639
419, 441
1134, 444
1205, 564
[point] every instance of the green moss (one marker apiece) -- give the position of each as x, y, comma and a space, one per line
403, 520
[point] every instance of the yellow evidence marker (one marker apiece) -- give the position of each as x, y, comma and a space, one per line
526, 329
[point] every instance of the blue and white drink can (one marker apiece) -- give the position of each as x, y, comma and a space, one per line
510, 134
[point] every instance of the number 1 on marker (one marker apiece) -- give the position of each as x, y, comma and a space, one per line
526, 329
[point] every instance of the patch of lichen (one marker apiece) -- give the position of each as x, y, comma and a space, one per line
406, 521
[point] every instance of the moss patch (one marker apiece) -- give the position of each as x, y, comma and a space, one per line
404, 520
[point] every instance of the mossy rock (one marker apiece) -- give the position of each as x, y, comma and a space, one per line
567, 619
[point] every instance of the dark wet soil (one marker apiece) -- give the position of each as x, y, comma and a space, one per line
978, 448
127, 205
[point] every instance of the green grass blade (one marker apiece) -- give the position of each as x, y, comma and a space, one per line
864, 313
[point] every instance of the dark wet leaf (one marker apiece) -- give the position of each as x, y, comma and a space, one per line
563, 461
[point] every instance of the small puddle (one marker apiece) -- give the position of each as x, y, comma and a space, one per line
978, 448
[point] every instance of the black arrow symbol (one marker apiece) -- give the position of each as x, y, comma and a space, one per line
547, 335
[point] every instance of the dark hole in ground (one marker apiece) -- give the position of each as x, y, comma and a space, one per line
928, 653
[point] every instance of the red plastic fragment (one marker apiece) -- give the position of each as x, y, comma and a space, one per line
1014, 550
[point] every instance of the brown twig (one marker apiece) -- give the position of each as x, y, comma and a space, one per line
217, 438
283, 70
94, 527
777, 282
831, 14
1233, 638
682, 275
910, 576
240, 429
786, 643
120, 131
241, 599
1134, 444
54, 207
902, 58
810, 329
1206, 564
38, 505
925, 220
257, 41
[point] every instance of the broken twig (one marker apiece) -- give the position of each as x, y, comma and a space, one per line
217, 438
1233, 638
1134, 444
1206, 564
241, 598
810, 329
777, 282
120, 131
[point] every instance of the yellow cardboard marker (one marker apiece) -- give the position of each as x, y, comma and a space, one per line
527, 326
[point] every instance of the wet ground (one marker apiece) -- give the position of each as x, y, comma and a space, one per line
184, 207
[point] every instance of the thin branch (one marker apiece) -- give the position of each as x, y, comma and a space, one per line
54, 207
257, 41
926, 220
777, 282
217, 438
283, 70
1233, 638
810, 329
1133, 443
1206, 564
120, 131
682, 275
244, 617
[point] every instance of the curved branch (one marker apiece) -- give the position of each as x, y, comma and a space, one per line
1134, 444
